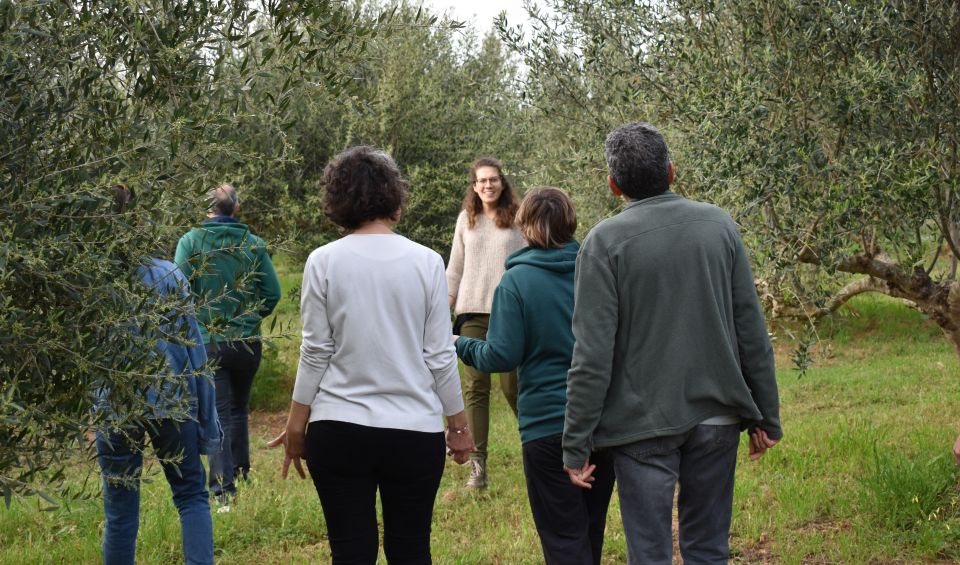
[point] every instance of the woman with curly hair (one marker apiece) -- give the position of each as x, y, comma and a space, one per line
377, 370
483, 239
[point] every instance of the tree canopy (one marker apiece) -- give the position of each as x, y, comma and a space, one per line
147, 94
828, 129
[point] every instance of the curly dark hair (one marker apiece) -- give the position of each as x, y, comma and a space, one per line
362, 184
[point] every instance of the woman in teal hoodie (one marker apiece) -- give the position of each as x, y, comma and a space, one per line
530, 329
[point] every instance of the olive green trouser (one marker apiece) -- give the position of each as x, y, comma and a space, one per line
476, 388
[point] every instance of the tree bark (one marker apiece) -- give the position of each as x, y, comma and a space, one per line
939, 300
781, 310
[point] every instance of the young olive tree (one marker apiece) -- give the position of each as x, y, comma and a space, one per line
98, 93
431, 93
828, 128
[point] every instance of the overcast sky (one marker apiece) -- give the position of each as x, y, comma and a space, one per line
480, 12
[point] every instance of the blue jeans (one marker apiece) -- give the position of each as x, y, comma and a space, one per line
703, 460
121, 460
237, 364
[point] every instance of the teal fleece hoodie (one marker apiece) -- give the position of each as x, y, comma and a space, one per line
231, 276
530, 330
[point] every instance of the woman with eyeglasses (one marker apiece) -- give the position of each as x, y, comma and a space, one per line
530, 328
484, 237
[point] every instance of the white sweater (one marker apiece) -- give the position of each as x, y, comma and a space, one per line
476, 262
377, 348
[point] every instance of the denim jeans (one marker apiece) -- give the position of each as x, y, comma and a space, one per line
237, 364
121, 460
703, 460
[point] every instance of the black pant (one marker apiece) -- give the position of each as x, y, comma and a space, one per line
237, 363
569, 519
349, 462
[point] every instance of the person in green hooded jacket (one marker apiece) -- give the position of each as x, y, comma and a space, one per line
530, 328
233, 279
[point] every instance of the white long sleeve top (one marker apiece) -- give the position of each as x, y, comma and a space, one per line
377, 348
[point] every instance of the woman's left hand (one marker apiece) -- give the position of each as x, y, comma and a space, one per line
459, 444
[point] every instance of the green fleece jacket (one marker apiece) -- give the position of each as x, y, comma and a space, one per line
232, 277
530, 330
669, 330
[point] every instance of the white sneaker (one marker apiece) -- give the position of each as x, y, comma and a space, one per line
223, 509
478, 474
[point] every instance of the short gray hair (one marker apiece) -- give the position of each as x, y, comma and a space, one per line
638, 160
223, 200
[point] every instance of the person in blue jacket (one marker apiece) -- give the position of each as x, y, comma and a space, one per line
530, 328
178, 438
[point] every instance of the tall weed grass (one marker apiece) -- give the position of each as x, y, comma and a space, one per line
864, 473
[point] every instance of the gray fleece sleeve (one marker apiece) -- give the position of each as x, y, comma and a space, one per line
318, 344
595, 320
753, 341
438, 351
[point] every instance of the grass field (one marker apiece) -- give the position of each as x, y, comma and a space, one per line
864, 474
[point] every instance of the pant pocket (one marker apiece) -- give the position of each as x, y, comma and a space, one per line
724, 436
639, 450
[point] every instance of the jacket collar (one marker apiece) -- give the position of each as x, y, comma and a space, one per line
221, 220
668, 195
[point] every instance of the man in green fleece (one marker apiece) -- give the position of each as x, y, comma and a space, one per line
233, 280
672, 357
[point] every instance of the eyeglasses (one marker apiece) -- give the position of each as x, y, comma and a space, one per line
491, 181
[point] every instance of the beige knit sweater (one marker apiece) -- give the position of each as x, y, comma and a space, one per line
476, 262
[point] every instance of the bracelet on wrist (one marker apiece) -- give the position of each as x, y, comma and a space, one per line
458, 431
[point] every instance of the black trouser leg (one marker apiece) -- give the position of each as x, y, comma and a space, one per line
570, 520
237, 364
349, 462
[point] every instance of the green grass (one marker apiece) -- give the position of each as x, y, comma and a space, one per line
864, 474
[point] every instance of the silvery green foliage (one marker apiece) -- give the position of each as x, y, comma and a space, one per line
428, 91
829, 129
96, 93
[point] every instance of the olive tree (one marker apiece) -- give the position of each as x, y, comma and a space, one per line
828, 128
429, 91
147, 94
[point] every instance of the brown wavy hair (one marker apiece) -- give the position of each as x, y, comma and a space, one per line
507, 204
547, 218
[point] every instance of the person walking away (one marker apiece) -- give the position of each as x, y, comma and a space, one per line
377, 371
484, 236
235, 285
178, 440
672, 357
530, 328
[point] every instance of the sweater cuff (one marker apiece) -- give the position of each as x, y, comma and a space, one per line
304, 393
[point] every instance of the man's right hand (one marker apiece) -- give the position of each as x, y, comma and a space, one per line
760, 443
583, 476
